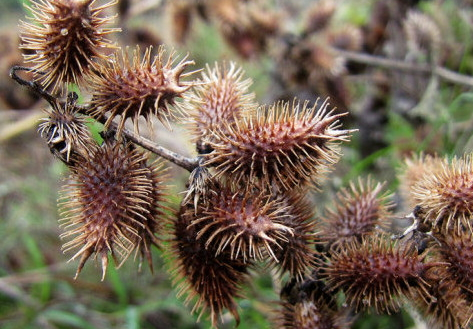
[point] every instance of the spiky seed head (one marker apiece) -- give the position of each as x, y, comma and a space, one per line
297, 254
138, 87
217, 100
181, 13
65, 131
198, 187
412, 171
108, 204
319, 15
346, 37
324, 62
307, 305
446, 195
377, 273
422, 33
212, 281
310, 314
247, 224
63, 38
358, 210
289, 146
456, 249
245, 27
448, 308
152, 225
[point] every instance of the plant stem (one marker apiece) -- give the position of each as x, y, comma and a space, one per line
392, 64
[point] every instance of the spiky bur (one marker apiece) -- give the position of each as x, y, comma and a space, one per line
217, 100
246, 27
358, 210
378, 273
456, 249
287, 145
158, 211
181, 13
446, 195
447, 308
63, 38
198, 187
319, 16
307, 305
297, 254
346, 38
108, 207
65, 131
412, 171
211, 280
422, 33
311, 314
138, 87
246, 225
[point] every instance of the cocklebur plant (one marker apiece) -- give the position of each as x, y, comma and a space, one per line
248, 204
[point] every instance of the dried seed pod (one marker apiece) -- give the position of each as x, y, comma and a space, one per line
246, 26
246, 224
446, 195
346, 37
311, 313
285, 145
447, 308
324, 62
319, 16
158, 212
217, 100
422, 33
456, 249
63, 38
138, 87
198, 187
358, 210
307, 305
412, 171
108, 206
297, 254
212, 280
181, 13
377, 273
65, 131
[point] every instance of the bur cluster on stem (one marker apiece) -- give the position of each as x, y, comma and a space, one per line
248, 204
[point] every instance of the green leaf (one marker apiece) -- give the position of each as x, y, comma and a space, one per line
65, 318
462, 107
118, 285
42, 289
132, 318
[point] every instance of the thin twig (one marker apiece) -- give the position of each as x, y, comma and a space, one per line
33, 85
178, 159
15, 128
387, 63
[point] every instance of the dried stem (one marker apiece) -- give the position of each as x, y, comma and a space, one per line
392, 64
33, 85
178, 159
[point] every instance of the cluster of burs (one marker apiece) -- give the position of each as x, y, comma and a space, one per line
247, 206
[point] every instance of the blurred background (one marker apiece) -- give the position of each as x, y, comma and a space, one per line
394, 93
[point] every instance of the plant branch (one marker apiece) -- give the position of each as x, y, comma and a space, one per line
33, 85
392, 64
178, 159
187, 163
